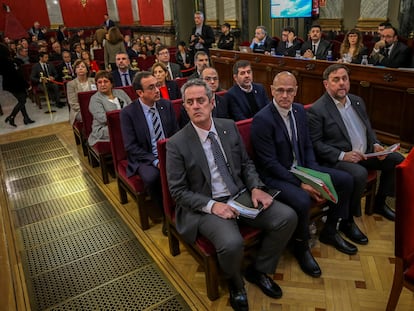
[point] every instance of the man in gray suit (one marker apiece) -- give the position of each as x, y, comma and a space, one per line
201, 188
342, 134
163, 56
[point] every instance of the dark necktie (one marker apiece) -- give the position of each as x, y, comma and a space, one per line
222, 165
294, 139
69, 68
314, 49
126, 82
387, 52
45, 70
156, 123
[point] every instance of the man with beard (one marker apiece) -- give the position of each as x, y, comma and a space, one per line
390, 52
201, 61
245, 97
316, 47
123, 76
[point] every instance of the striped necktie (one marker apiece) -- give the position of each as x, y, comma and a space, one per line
156, 123
222, 165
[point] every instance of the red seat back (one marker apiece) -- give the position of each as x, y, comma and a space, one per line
98, 54
404, 210
244, 130
87, 118
177, 104
130, 92
145, 64
181, 81
167, 200
221, 93
115, 137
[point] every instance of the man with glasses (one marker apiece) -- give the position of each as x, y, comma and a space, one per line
144, 122
123, 75
163, 56
280, 137
289, 43
390, 52
220, 109
245, 98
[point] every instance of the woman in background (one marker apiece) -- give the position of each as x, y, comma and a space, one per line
82, 83
93, 66
168, 88
106, 99
114, 44
352, 48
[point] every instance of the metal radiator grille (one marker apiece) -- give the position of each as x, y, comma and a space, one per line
76, 251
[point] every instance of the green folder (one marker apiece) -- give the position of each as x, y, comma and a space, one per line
318, 180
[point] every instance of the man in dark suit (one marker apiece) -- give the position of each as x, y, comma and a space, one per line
44, 70
220, 110
201, 178
163, 56
341, 134
108, 23
261, 42
202, 35
390, 52
316, 47
245, 98
274, 143
140, 130
201, 61
289, 43
66, 63
123, 76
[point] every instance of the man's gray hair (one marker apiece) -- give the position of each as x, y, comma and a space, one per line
196, 82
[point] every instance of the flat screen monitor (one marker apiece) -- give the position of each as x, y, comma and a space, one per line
290, 8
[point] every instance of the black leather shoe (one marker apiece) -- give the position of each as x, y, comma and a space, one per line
60, 105
265, 283
10, 120
238, 299
385, 211
352, 232
164, 228
28, 121
339, 243
307, 263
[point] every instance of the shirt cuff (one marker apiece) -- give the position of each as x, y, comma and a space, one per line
341, 156
207, 209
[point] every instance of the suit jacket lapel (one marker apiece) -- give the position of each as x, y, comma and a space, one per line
197, 151
333, 111
225, 142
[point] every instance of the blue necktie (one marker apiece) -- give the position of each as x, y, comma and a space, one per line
294, 139
156, 123
126, 82
222, 165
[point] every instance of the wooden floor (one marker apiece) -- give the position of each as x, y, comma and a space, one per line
360, 282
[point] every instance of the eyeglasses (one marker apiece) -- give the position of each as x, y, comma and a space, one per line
208, 79
281, 91
151, 87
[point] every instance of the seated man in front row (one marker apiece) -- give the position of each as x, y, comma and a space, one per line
144, 122
341, 134
201, 179
276, 129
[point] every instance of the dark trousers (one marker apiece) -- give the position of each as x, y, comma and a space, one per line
20, 106
150, 175
359, 172
53, 91
278, 223
301, 201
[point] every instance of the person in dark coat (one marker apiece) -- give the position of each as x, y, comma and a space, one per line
14, 82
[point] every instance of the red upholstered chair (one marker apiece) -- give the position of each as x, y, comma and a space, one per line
404, 230
181, 81
202, 250
221, 93
100, 153
130, 91
133, 185
177, 104
98, 55
145, 64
